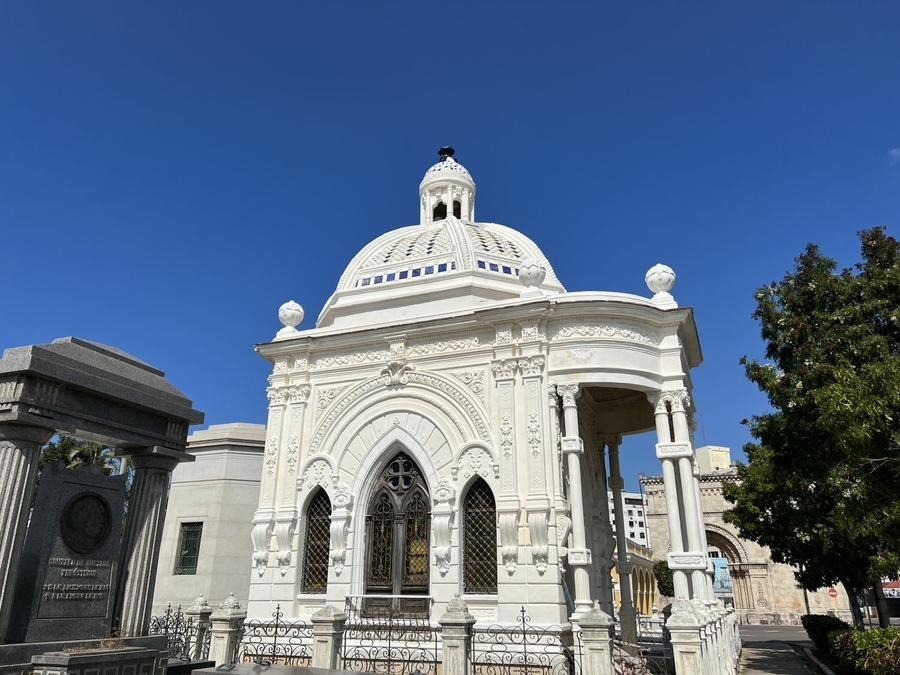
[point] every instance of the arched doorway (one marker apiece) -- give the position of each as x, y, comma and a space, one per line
398, 524
725, 555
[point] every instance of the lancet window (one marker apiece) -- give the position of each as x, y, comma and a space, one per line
479, 540
398, 523
316, 544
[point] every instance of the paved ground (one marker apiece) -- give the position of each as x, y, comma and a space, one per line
766, 650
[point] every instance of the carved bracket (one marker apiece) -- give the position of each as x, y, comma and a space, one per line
538, 529
340, 527
508, 528
260, 534
396, 373
284, 537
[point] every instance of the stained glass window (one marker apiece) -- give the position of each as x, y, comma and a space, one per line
316, 545
479, 540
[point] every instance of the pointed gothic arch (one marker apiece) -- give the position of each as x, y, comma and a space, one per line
479, 539
316, 543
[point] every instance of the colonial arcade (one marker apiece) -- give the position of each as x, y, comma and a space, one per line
451, 425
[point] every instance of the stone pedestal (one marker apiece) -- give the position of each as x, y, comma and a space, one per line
328, 631
226, 624
456, 637
143, 533
200, 612
597, 628
106, 661
686, 631
20, 450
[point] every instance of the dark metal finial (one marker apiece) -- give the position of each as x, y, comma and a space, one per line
446, 152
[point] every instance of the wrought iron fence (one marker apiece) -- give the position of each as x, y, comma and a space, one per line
652, 655
276, 641
391, 635
181, 632
525, 649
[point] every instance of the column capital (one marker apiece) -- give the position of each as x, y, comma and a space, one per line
572, 444
624, 567
616, 482
612, 441
531, 366
568, 393
157, 457
504, 369
579, 557
678, 400
26, 433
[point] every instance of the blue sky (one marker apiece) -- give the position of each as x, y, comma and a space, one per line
171, 172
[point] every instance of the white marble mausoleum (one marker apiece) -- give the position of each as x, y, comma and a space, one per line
451, 425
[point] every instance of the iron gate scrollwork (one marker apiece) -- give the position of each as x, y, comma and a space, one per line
391, 635
180, 632
524, 649
276, 641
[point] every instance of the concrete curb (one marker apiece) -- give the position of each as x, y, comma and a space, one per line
821, 666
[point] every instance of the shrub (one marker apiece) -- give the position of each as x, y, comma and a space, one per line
664, 582
873, 652
818, 626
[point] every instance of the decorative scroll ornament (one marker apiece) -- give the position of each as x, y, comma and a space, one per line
284, 536
475, 461
318, 472
474, 380
397, 373
325, 396
531, 366
537, 528
350, 359
260, 535
508, 529
299, 393
563, 527
271, 452
506, 436
504, 369
340, 526
606, 331
293, 453
441, 520
442, 346
534, 434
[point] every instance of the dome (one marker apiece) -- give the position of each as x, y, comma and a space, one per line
465, 264
447, 263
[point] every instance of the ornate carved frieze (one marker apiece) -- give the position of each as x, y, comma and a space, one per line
673, 450
370, 356
617, 331
474, 380
503, 335
538, 530
457, 396
423, 349
531, 331
686, 561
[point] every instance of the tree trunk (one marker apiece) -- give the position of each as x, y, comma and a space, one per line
854, 607
881, 605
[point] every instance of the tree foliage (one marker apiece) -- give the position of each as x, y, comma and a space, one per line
664, 581
820, 486
76, 453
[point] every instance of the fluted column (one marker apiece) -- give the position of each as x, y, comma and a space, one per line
143, 533
20, 452
573, 447
623, 566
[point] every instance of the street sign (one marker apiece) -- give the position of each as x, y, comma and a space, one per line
832, 592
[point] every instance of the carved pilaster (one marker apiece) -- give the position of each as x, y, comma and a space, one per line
504, 371
532, 369
442, 521
340, 526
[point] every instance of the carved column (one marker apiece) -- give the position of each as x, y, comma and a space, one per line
508, 506
143, 533
264, 518
623, 566
286, 516
573, 448
666, 452
692, 515
20, 452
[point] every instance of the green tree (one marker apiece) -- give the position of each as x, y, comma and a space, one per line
820, 486
664, 581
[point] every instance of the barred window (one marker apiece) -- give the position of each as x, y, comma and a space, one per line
188, 548
479, 540
316, 545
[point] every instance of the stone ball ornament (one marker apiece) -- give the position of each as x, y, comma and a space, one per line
660, 279
289, 314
